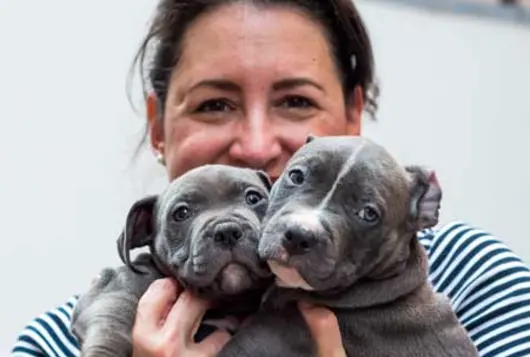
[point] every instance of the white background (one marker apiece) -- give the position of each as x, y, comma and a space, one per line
455, 95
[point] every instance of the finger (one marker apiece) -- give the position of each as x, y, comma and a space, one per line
185, 316
324, 329
212, 344
155, 303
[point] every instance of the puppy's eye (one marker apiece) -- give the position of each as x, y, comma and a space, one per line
181, 214
368, 214
253, 197
296, 177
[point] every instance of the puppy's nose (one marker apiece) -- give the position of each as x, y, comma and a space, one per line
297, 240
227, 234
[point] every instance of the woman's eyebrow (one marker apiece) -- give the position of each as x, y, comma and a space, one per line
222, 84
289, 83
283, 84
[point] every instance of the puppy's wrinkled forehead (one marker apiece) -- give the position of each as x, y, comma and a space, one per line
212, 185
349, 162
341, 153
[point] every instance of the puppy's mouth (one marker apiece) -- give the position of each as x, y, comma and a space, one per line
297, 271
285, 269
288, 277
234, 278
224, 264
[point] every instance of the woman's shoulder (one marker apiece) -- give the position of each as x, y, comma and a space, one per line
458, 249
49, 334
487, 283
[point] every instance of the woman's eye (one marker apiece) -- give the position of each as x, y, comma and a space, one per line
214, 105
253, 198
297, 102
181, 214
368, 214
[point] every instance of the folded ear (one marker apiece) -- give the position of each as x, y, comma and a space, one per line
139, 229
426, 196
265, 179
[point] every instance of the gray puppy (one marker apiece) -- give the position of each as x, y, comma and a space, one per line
341, 232
203, 230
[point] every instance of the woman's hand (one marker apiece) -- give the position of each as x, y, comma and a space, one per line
166, 321
324, 328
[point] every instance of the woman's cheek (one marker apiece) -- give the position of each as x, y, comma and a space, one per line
189, 146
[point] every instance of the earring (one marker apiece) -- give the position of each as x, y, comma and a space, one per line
353, 62
160, 158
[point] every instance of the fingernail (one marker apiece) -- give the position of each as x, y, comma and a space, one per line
160, 284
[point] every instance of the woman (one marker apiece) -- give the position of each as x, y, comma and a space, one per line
242, 83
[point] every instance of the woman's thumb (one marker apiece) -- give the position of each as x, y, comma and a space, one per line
324, 329
212, 344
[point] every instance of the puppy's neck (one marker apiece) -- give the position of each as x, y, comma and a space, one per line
365, 292
160, 265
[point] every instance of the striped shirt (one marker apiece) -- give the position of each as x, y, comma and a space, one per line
488, 285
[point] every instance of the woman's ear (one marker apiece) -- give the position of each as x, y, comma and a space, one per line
155, 123
354, 111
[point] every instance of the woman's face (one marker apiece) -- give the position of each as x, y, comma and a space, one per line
251, 84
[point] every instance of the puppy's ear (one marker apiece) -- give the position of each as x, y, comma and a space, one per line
426, 196
139, 229
310, 137
265, 179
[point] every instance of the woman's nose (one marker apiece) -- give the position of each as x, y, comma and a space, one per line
257, 144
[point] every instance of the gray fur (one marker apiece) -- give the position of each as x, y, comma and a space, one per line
352, 247
213, 252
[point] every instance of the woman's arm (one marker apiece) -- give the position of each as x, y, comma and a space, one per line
488, 285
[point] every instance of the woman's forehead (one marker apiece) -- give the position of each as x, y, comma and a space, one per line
255, 40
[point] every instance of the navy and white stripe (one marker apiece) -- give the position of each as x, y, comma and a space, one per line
49, 334
489, 287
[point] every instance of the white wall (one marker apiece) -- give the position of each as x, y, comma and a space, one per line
455, 96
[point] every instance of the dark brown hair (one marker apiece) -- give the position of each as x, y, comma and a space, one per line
160, 50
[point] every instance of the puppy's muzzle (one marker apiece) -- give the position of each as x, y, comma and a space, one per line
298, 240
227, 234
